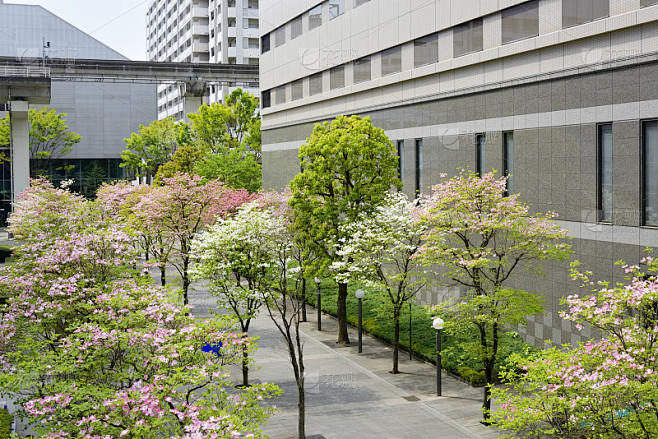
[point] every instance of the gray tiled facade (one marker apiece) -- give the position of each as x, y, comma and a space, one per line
555, 167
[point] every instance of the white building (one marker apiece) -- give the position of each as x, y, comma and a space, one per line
201, 31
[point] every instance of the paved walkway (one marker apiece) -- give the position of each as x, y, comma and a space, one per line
352, 395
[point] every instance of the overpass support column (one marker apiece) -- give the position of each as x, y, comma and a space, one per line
193, 91
20, 139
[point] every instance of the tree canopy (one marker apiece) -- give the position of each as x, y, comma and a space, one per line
349, 166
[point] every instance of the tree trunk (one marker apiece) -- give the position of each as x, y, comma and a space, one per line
301, 421
303, 299
343, 336
396, 340
488, 378
186, 280
245, 366
163, 273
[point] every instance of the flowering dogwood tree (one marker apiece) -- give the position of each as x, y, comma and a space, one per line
480, 237
605, 388
181, 208
94, 350
380, 251
253, 262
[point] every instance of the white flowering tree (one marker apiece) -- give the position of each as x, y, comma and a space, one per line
252, 262
380, 252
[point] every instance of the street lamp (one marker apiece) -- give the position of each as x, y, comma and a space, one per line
359, 295
318, 281
438, 324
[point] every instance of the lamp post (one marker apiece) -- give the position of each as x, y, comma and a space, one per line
318, 281
303, 299
438, 324
359, 295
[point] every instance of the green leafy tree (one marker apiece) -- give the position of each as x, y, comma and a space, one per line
605, 388
184, 161
348, 167
480, 237
152, 146
50, 139
236, 168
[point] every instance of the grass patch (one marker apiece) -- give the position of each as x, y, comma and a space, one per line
423, 338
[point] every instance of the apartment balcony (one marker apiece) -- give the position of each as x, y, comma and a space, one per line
198, 47
232, 12
251, 33
232, 32
200, 29
250, 13
250, 52
198, 12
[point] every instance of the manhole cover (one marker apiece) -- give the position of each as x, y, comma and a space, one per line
411, 398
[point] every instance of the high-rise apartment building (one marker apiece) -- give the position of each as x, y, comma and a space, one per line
200, 31
561, 95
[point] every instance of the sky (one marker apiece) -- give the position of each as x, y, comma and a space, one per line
120, 24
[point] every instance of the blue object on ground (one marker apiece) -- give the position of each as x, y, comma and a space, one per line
214, 348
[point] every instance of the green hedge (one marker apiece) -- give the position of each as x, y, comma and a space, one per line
423, 344
5, 424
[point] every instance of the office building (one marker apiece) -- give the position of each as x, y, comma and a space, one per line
562, 95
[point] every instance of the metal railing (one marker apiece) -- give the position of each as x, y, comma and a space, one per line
30, 71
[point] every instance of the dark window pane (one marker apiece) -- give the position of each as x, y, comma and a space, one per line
362, 71
480, 154
651, 173
280, 36
265, 98
401, 160
467, 37
280, 95
426, 50
575, 12
315, 17
297, 89
521, 21
296, 27
265, 43
508, 162
605, 172
644, 3
391, 61
337, 78
419, 165
315, 84
358, 3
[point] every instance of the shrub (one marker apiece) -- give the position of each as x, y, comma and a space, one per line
5, 423
423, 336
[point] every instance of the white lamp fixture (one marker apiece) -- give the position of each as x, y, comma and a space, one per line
438, 323
318, 280
360, 294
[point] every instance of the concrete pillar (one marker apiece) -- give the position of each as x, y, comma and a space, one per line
193, 91
20, 138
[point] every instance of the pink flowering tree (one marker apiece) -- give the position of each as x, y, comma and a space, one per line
93, 350
480, 238
604, 388
379, 250
181, 208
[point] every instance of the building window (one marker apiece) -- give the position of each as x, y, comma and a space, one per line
280, 36
650, 172
265, 99
265, 43
336, 8
358, 3
337, 77
508, 162
467, 37
480, 154
604, 195
315, 17
297, 89
575, 12
296, 27
419, 166
391, 61
401, 160
315, 84
362, 71
280, 95
644, 3
520, 22
426, 50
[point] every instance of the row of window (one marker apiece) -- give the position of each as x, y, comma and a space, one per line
336, 8
649, 169
518, 22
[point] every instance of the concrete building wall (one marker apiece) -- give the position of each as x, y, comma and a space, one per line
550, 91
